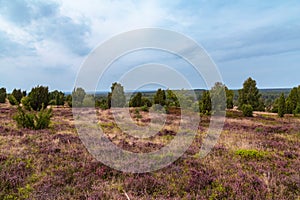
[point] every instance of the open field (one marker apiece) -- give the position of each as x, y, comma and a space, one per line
255, 158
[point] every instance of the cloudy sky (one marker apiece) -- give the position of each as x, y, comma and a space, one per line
45, 42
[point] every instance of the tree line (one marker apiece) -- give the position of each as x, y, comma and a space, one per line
249, 99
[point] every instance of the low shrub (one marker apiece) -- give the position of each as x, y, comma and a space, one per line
251, 154
145, 108
33, 120
247, 110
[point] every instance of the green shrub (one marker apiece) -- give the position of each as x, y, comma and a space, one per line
145, 108
33, 120
2, 95
23, 119
39, 97
247, 110
42, 119
251, 154
26, 103
12, 100
57, 98
18, 94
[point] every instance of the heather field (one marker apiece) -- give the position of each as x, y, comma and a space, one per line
255, 158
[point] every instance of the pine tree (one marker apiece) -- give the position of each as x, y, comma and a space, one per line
250, 95
116, 98
281, 106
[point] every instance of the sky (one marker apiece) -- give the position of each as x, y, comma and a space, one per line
46, 42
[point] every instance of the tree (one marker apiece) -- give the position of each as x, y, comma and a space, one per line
205, 103
146, 102
38, 97
57, 98
250, 95
292, 100
2, 95
160, 97
171, 99
281, 106
229, 98
136, 100
18, 94
88, 101
78, 95
218, 97
12, 100
116, 98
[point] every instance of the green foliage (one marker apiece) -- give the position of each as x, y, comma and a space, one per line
171, 99
24, 119
251, 154
78, 95
281, 106
116, 98
218, 97
2, 95
38, 97
88, 101
247, 110
205, 103
42, 119
160, 97
249, 94
18, 94
293, 101
145, 108
102, 103
57, 98
297, 110
136, 100
229, 98
12, 100
69, 100
275, 106
26, 103
33, 120
146, 102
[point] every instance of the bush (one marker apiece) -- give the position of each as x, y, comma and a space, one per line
31, 120
18, 94
2, 95
145, 108
69, 100
23, 119
12, 100
42, 119
26, 103
247, 110
102, 104
39, 97
57, 98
